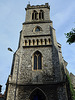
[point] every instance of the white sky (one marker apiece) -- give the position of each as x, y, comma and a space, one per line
12, 15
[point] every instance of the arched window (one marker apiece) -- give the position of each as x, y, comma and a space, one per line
49, 41
37, 29
25, 42
33, 42
41, 14
41, 42
37, 42
45, 41
37, 57
34, 15
29, 42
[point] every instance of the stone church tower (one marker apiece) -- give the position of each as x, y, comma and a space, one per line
38, 68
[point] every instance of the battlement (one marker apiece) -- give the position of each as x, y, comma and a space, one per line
37, 6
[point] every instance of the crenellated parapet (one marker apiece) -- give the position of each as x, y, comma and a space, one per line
37, 6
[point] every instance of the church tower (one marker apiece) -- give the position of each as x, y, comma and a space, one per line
38, 68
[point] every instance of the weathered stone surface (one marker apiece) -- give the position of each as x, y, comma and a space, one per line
26, 82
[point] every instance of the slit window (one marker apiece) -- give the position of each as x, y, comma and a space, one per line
25, 42
41, 41
49, 40
45, 41
33, 42
29, 42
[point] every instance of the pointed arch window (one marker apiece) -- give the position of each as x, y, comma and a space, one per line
29, 42
37, 57
41, 42
45, 41
41, 14
25, 42
34, 15
33, 42
37, 29
49, 41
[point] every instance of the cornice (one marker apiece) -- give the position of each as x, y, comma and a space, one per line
37, 35
37, 46
36, 22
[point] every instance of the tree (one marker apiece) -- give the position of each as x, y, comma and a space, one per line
70, 36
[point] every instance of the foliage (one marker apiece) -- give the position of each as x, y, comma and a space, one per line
71, 88
70, 36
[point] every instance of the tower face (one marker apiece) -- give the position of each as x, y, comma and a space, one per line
38, 66
37, 13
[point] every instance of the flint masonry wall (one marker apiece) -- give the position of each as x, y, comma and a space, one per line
49, 79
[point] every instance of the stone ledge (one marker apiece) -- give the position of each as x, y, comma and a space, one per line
30, 84
37, 22
37, 35
37, 46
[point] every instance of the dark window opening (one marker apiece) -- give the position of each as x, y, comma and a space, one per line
34, 15
49, 40
33, 42
37, 29
41, 41
39, 62
35, 62
37, 94
41, 14
25, 42
37, 42
29, 42
45, 41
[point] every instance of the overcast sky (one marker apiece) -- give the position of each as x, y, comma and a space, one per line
12, 15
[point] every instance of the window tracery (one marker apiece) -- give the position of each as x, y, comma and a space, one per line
34, 15
37, 29
37, 61
38, 15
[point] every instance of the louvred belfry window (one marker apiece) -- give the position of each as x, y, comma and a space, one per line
34, 15
41, 14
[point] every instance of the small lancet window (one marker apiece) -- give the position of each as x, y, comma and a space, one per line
41, 14
37, 61
49, 41
33, 42
41, 42
25, 42
37, 42
45, 41
29, 42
